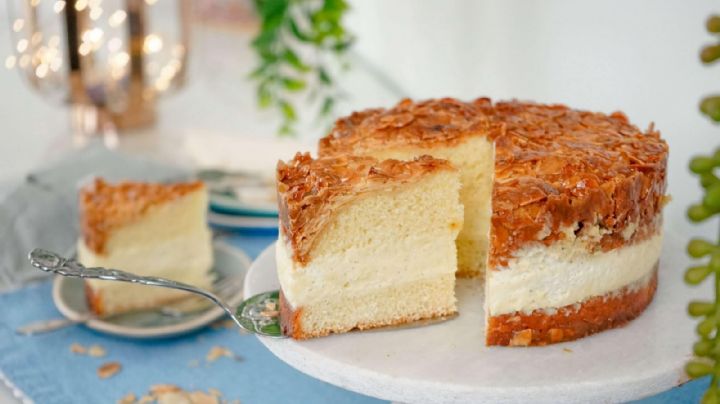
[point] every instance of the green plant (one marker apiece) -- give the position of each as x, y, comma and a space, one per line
296, 45
707, 349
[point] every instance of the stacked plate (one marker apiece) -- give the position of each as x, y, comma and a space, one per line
241, 201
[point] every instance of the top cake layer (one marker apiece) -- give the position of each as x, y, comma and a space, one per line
555, 168
424, 124
310, 190
105, 207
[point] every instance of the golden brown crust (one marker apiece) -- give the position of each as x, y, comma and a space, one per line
425, 124
571, 322
291, 322
310, 190
557, 168
94, 301
105, 207
554, 167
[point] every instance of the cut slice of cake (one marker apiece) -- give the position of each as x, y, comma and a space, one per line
365, 243
147, 229
444, 128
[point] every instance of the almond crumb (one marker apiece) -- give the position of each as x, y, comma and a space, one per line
77, 349
164, 388
108, 369
201, 397
216, 352
269, 313
567, 350
521, 338
128, 399
96, 351
214, 392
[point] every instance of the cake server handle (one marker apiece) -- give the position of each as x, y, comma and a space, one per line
256, 315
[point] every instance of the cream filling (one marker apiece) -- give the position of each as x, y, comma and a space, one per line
565, 273
355, 273
186, 258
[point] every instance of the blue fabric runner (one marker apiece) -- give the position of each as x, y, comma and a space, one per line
45, 370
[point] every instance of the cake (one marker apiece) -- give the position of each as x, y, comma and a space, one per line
365, 243
446, 129
563, 208
149, 230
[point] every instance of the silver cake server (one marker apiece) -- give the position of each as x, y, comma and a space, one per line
258, 314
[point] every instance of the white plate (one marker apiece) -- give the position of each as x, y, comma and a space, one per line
448, 362
69, 297
260, 224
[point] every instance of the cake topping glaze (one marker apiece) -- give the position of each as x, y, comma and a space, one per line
555, 167
105, 206
419, 124
310, 190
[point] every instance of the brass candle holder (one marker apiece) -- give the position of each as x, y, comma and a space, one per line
108, 59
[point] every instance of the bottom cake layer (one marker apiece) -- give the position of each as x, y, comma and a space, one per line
543, 326
390, 306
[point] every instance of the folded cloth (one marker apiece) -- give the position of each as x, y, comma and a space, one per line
40, 211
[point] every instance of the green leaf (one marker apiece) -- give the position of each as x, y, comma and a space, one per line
291, 84
294, 61
709, 179
695, 275
701, 308
698, 213
713, 24
327, 107
698, 248
710, 53
710, 106
710, 397
265, 97
705, 327
698, 368
324, 76
701, 164
288, 110
703, 347
297, 32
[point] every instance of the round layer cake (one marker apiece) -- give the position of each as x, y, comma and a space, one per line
563, 208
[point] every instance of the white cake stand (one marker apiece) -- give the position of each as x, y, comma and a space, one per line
449, 363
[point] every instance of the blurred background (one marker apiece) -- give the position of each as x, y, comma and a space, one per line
640, 57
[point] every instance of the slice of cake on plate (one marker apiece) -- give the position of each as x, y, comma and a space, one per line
150, 230
365, 243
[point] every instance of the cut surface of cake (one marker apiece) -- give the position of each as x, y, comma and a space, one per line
364, 243
563, 208
446, 129
147, 229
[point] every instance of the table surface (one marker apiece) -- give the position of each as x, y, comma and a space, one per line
561, 51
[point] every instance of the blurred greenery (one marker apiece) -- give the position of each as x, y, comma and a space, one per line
707, 348
299, 45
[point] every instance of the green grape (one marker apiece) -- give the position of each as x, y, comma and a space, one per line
699, 308
698, 248
697, 368
698, 213
703, 347
712, 197
705, 327
713, 24
710, 106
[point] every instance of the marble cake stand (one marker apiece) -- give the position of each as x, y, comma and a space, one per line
448, 362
